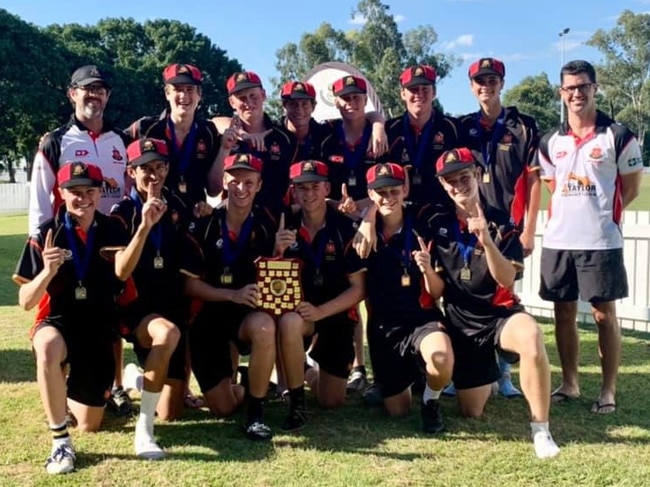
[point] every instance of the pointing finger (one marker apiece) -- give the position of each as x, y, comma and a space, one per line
49, 239
281, 226
344, 190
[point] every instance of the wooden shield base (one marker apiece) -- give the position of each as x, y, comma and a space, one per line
279, 284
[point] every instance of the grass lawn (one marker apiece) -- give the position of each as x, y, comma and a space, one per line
355, 445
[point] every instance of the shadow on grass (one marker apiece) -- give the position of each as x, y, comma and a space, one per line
17, 365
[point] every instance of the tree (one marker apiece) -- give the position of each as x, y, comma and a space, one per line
624, 76
537, 97
378, 49
32, 69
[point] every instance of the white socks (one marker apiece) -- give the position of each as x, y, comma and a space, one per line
545, 446
429, 394
145, 444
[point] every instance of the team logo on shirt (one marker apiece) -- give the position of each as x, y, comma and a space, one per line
405, 156
219, 243
560, 154
336, 159
67, 254
596, 155
275, 151
117, 155
81, 153
330, 251
633, 161
576, 185
438, 140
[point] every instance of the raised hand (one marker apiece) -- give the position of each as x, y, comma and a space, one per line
379, 141
284, 237
249, 296
346, 204
422, 257
477, 224
53, 257
231, 134
201, 209
154, 208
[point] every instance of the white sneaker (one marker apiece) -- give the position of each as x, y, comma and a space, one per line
147, 448
132, 378
545, 446
61, 460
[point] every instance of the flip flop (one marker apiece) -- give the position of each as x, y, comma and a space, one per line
558, 397
603, 408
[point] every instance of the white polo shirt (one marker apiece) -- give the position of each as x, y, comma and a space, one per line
586, 206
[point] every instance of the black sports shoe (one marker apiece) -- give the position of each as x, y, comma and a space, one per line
120, 403
431, 416
258, 431
372, 396
296, 420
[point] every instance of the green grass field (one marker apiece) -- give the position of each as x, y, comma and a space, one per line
352, 446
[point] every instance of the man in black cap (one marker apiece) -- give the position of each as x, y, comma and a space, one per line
89, 138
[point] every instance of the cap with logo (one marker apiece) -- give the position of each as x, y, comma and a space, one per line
418, 75
182, 74
77, 173
485, 66
242, 161
297, 90
243, 80
308, 171
88, 74
146, 150
382, 175
349, 85
454, 160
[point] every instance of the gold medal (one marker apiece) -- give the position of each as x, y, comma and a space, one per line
486, 176
80, 293
226, 278
352, 181
158, 262
465, 274
406, 280
182, 187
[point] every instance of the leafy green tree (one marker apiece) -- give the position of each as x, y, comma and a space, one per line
378, 49
537, 97
624, 76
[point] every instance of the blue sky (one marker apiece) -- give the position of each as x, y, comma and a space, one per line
523, 34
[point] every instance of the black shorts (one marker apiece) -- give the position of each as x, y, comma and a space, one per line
334, 348
475, 356
91, 361
210, 335
395, 354
596, 276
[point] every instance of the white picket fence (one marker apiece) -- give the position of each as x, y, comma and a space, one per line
633, 311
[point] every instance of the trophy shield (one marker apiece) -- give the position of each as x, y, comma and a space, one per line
279, 283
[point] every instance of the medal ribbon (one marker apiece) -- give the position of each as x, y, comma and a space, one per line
497, 132
230, 254
80, 268
466, 242
351, 157
183, 154
409, 139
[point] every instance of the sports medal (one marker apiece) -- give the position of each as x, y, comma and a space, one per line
80, 293
465, 274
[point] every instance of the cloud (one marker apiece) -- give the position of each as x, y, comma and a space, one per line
359, 19
465, 40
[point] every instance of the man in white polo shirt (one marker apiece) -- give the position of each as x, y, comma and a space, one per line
593, 168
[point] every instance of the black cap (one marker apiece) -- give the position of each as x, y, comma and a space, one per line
88, 74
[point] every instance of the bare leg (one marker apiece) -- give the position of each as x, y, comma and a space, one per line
609, 350
568, 346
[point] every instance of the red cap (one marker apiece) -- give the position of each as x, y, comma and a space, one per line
242, 80
382, 175
418, 75
146, 150
77, 173
242, 161
348, 85
297, 90
487, 65
182, 74
308, 171
454, 160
